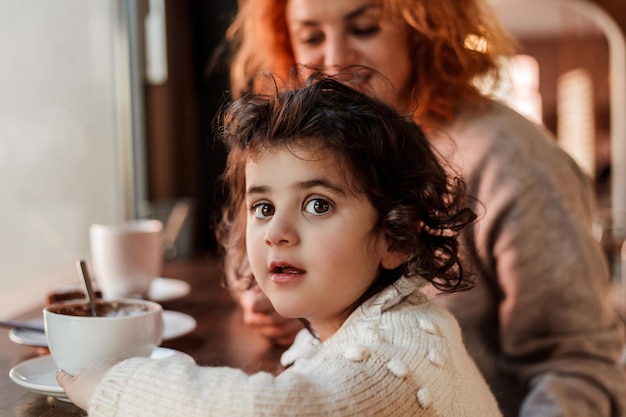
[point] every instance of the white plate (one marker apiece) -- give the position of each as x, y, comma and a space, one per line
175, 324
38, 374
165, 289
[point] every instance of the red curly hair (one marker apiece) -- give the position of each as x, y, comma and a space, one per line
446, 64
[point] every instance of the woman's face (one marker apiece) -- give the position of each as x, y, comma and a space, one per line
334, 34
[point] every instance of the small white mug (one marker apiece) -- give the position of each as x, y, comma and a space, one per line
126, 257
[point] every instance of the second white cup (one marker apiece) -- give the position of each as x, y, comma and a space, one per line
126, 257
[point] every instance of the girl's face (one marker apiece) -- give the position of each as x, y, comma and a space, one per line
309, 237
334, 34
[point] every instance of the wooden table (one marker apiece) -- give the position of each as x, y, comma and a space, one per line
220, 339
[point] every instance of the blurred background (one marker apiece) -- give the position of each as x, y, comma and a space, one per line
107, 107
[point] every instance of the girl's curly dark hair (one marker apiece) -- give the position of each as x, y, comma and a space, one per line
385, 156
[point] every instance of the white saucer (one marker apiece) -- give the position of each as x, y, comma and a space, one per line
175, 324
38, 374
165, 289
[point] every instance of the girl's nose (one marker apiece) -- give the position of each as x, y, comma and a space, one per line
281, 231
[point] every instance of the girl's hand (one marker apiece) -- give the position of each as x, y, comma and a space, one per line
80, 387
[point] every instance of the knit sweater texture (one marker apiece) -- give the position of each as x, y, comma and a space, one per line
396, 355
539, 322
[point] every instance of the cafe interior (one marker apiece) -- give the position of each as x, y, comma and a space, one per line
107, 114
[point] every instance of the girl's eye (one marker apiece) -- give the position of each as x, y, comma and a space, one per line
318, 206
263, 210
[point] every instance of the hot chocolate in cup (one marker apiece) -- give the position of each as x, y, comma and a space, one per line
122, 329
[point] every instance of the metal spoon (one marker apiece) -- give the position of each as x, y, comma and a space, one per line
84, 273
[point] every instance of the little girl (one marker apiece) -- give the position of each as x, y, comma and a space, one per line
346, 213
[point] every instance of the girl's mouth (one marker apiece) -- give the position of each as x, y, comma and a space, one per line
286, 270
285, 273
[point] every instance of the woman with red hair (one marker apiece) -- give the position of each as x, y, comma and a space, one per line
538, 323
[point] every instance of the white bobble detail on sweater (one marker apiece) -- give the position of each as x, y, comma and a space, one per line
427, 326
373, 334
424, 398
357, 354
398, 368
377, 337
435, 357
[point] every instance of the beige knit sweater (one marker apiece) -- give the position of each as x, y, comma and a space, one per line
538, 323
396, 355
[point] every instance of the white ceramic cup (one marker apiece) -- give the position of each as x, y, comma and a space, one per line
126, 257
123, 329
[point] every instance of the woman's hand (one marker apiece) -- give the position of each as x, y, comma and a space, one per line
80, 387
259, 313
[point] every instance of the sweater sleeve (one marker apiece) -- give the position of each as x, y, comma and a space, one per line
178, 387
406, 361
557, 331
165, 387
559, 334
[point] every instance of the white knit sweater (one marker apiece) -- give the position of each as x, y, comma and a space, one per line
396, 355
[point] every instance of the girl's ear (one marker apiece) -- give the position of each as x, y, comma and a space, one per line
393, 259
